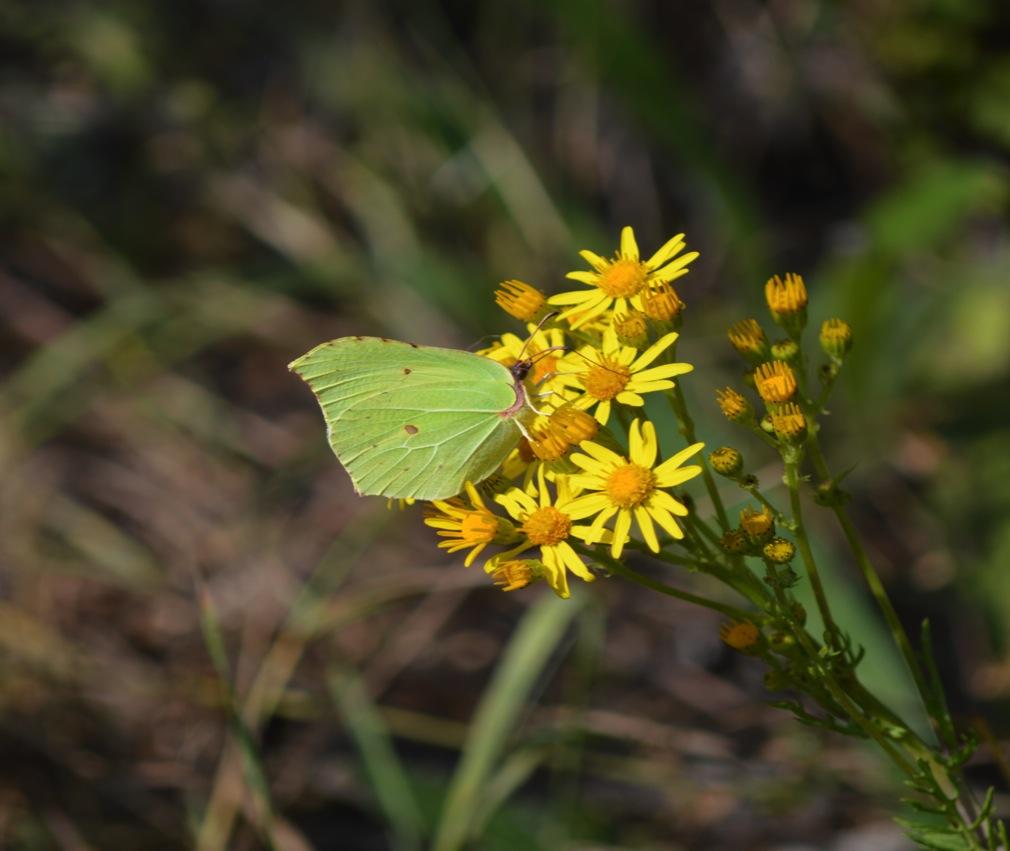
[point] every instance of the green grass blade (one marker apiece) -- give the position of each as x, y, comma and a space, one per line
383, 768
243, 738
524, 660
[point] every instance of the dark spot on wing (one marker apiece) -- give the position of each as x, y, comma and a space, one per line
406, 370
410, 429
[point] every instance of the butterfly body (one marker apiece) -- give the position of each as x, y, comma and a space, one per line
410, 421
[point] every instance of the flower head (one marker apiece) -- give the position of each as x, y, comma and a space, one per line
759, 525
621, 281
775, 381
470, 527
632, 488
632, 329
740, 635
520, 300
661, 303
617, 373
789, 422
732, 404
787, 300
517, 573
748, 338
726, 461
548, 523
836, 338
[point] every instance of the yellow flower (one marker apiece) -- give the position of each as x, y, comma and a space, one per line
549, 525
622, 280
469, 527
618, 373
775, 381
520, 300
632, 487
518, 573
758, 524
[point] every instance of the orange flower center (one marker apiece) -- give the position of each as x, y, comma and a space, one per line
630, 485
478, 527
623, 278
606, 380
547, 526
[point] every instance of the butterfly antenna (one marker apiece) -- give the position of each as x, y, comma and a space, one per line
590, 360
540, 324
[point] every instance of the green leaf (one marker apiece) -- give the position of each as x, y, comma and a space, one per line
529, 651
935, 837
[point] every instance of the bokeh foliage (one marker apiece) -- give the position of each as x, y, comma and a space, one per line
194, 193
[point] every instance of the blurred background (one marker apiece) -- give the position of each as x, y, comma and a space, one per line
207, 641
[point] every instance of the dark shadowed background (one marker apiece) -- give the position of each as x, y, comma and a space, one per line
193, 193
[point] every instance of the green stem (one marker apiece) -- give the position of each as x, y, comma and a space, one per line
873, 581
792, 479
616, 567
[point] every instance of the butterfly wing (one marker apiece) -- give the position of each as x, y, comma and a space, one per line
411, 421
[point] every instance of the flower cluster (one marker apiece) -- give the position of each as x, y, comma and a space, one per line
587, 472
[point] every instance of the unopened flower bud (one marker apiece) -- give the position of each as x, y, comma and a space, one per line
779, 551
789, 423
836, 338
785, 350
662, 304
733, 405
759, 525
632, 329
734, 541
726, 461
520, 300
748, 339
775, 381
740, 635
787, 301
517, 573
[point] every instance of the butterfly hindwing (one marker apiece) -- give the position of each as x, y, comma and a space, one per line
411, 421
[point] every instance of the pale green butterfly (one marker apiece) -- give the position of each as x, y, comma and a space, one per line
415, 421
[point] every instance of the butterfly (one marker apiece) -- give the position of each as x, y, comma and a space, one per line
409, 421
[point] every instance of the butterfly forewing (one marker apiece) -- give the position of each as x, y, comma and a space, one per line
411, 421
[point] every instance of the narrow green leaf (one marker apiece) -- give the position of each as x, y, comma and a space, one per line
386, 774
525, 658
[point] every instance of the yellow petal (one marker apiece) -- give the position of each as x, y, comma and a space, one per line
679, 476
666, 251
594, 260
603, 412
648, 530
663, 518
573, 297
647, 445
586, 505
662, 372
621, 529
571, 560
591, 278
655, 350
626, 397
629, 247
661, 499
676, 269
601, 453
671, 463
